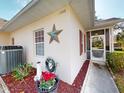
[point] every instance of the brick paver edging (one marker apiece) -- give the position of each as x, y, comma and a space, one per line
5, 88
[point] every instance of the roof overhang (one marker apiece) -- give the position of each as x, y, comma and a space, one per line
106, 24
37, 9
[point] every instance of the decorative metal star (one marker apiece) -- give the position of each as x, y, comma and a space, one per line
54, 34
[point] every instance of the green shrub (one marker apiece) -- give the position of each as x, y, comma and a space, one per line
21, 71
116, 60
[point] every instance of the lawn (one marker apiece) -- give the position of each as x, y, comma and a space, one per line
120, 81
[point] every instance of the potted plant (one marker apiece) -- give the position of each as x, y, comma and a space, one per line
48, 82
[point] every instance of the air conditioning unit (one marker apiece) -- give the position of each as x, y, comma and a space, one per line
10, 58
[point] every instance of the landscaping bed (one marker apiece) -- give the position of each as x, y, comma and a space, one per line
26, 85
116, 64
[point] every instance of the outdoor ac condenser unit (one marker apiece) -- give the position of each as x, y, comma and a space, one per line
10, 58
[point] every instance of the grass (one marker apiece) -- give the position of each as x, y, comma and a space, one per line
119, 51
120, 82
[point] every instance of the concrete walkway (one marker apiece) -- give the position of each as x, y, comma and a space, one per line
99, 80
1, 89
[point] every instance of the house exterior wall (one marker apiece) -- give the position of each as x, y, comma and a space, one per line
66, 53
4, 38
76, 59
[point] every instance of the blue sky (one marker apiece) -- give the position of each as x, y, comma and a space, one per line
104, 8
109, 8
9, 8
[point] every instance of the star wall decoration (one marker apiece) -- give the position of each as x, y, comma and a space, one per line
54, 34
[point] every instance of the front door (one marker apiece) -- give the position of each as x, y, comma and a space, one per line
98, 48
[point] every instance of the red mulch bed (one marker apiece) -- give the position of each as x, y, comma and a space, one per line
28, 84
66, 88
79, 80
17, 86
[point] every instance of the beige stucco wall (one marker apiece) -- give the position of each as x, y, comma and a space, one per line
4, 38
76, 59
65, 53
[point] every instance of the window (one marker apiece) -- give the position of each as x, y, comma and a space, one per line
39, 42
81, 41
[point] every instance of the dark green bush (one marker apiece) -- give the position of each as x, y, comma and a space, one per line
116, 60
118, 49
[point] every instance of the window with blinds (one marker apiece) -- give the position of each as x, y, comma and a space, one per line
39, 42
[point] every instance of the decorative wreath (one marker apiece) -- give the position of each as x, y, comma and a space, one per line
50, 64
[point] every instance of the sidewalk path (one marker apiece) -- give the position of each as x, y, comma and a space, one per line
99, 81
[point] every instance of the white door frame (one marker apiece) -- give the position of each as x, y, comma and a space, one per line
100, 61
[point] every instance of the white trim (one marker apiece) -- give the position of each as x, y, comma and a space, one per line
111, 39
25, 9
